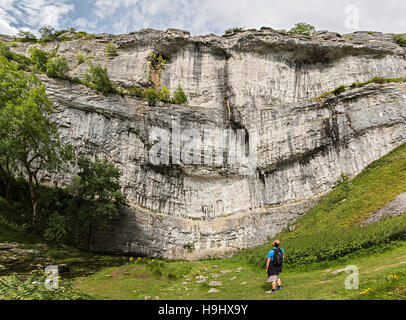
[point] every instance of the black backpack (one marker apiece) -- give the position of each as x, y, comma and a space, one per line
277, 257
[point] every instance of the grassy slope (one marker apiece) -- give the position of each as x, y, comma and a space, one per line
327, 229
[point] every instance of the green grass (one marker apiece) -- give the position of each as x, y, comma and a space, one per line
343, 88
400, 39
121, 282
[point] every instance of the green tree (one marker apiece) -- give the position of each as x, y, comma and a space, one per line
39, 58
29, 141
25, 36
98, 77
179, 96
156, 60
302, 28
57, 67
164, 94
96, 197
47, 33
151, 95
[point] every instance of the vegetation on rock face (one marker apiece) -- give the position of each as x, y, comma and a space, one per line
343, 88
164, 94
302, 28
151, 95
179, 96
80, 58
111, 50
57, 67
99, 79
39, 59
26, 36
400, 39
156, 60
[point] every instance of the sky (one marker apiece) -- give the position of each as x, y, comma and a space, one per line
201, 16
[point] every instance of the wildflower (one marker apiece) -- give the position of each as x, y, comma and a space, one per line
135, 291
131, 259
138, 258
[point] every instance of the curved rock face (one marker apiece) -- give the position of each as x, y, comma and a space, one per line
253, 89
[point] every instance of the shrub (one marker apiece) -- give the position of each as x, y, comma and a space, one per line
400, 39
5, 51
47, 34
80, 58
165, 95
55, 231
234, 30
57, 68
39, 58
25, 36
151, 95
179, 96
339, 90
22, 61
302, 28
137, 92
156, 60
98, 77
111, 50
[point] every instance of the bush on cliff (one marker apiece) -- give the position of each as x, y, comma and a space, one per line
39, 59
111, 51
302, 28
151, 95
179, 96
25, 36
98, 78
57, 67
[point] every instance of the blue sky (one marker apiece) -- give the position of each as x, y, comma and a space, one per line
201, 17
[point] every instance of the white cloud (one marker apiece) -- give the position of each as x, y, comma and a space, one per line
35, 13
202, 17
5, 28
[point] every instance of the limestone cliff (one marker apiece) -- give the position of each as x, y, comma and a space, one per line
258, 81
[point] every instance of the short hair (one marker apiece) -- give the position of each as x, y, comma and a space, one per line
276, 243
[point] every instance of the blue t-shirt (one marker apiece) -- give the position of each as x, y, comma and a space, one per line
272, 252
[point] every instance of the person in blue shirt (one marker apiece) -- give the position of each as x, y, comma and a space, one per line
274, 263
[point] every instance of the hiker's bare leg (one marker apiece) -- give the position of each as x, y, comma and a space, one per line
279, 282
273, 285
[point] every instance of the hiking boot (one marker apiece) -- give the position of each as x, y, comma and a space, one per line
271, 291
280, 288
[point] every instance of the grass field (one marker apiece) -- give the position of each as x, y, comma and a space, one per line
136, 281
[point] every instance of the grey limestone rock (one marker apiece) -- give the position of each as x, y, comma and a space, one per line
260, 81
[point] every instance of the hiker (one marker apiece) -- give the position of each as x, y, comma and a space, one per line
274, 266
